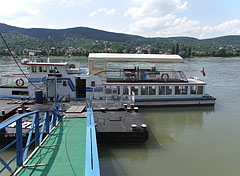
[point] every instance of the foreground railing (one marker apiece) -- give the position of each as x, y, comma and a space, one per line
92, 161
39, 126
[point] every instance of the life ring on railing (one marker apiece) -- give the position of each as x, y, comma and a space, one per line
19, 82
132, 77
165, 77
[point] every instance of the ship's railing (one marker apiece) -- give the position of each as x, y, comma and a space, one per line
117, 99
92, 161
43, 122
132, 75
13, 80
79, 71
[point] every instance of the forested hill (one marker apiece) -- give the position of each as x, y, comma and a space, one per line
93, 40
63, 34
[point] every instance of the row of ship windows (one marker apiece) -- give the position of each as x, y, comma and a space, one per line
43, 69
152, 90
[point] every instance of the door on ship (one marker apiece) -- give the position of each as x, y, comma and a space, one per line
80, 88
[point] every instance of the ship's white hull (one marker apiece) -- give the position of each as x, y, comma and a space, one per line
178, 102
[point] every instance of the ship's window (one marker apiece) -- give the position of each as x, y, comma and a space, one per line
64, 83
116, 89
19, 92
168, 90
40, 68
144, 90
125, 90
161, 90
51, 69
44, 68
152, 90
34, 69
98, 64
193, 90
134, 89
108, 90
93, 84
200, 90
178, 90
184, 90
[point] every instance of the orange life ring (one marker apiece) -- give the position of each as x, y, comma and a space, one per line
165, 78
132, 77
19, 82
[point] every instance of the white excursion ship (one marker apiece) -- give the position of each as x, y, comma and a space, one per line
143, 86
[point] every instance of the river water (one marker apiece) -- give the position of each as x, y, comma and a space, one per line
184, 141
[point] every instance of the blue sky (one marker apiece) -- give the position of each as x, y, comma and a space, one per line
149, 18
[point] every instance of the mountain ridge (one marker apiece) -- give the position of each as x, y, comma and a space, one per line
95, 40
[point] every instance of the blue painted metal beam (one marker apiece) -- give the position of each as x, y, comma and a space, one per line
92, 161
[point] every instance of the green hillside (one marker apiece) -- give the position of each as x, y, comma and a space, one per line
82, 40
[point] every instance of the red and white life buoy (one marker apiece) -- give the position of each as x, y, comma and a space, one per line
165, 77
19, 82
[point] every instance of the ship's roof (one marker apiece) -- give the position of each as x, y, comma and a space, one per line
45, 63
116, 57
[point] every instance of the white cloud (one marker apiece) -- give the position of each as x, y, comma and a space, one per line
168, 25
14, 9
93, 13
149, 8
231, 27
104, 11
158, 18
110, 12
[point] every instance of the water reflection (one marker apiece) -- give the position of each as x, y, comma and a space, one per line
168, 124
113, 158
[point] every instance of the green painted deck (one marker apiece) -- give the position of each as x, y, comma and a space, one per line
67, 157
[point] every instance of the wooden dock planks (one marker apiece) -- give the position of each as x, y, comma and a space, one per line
75, 109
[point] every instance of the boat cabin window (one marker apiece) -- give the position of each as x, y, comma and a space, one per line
116, 89
34, 69
126, 90
178, 90
40, 69
193, 90
200, 90
161, 90
134, 89
184, 90
112, 89
169, 90
108, 90
97, 64
93, 84
152, 90
144, 90
51, 69
64, 83
44, 68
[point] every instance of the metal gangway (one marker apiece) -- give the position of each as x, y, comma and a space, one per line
62, 146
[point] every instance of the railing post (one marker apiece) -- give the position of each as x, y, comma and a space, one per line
37, 129
54, 119
47, 122
19, 142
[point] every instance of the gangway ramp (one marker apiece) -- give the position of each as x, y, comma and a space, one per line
65, 151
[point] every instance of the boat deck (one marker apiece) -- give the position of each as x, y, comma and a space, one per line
63, 152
